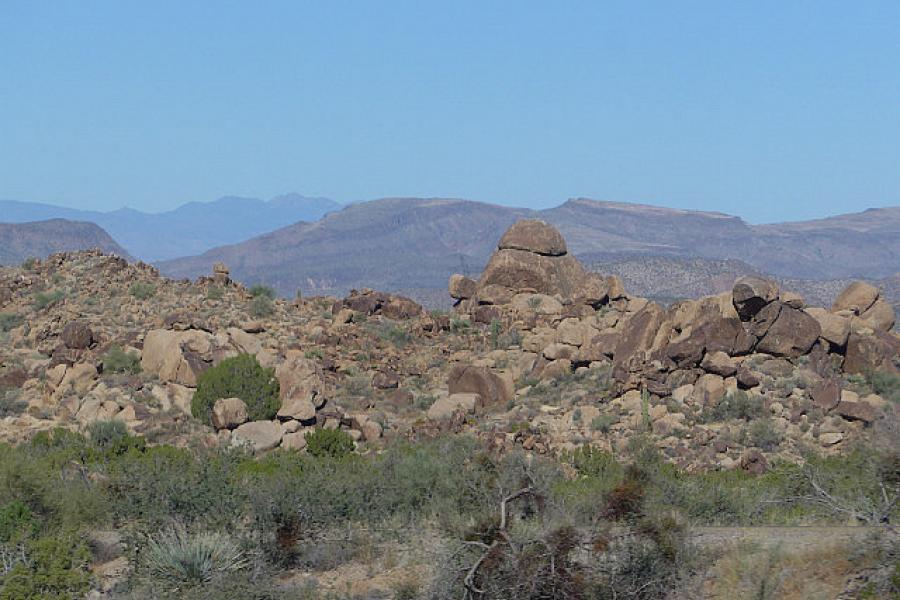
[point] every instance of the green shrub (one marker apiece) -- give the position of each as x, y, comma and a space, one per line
112, 438
177, 559
117, 360
261, 306
56, 568
29, 263
262, 291
10, 403
887, 385
142, 290
332, 443
762, 434
736, 405
17, 522
237, 377
603, 423
9, 321
215, 292
47, 299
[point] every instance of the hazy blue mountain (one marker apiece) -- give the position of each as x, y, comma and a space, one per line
190, 229
415, 244
39, 239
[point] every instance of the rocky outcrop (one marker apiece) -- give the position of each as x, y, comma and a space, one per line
532, 258
489, 386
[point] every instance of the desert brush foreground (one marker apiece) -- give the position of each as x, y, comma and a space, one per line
551, 436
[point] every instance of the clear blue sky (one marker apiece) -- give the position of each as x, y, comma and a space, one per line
769, 110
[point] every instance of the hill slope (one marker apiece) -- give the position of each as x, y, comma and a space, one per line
19, 241
416, 244
189, 229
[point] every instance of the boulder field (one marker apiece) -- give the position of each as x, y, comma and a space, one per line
537, 352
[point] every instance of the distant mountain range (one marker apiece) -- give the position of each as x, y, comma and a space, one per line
414, 244
190, 229
20, 241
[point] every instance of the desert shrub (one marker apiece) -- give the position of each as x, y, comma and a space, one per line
261, 306
29, 263
887, 385
762, 434
237, 377
117, 360
215, 292
262, 291
603, 423
142, 290
736, 405
17, 522
165, 483
9, 321
332, 443
112, 437
178, 560
46, 299
55, 567
10, 403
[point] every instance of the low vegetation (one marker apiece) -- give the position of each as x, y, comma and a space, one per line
218, 521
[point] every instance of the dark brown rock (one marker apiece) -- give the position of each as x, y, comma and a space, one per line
792, 334
746, 378
868, 353
826, 394
77, 336
856, 410
479, 380
751, 294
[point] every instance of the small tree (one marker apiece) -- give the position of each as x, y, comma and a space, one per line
238, 377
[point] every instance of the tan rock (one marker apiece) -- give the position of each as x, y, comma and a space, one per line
880, 316
835, 328
260, 435
294, 441
719, 363
533, 236
492, 388
461, 287
708, 390
856, 297
228, 413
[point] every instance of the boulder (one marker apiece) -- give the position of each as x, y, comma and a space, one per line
177, 356
708, 390
77, 336
533, 236
261, 435
751, 294
294, 441
826, 394
228, 413
856, 410
835, 328
880, 316
446, 406
719, 363
792, 334
461, 287
302, 388
492, 388
871, 352
541, 304
856, 297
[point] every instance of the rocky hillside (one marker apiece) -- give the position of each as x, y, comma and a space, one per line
414, 244
21, 241
537, 339
667, 279
161, 400
189, 229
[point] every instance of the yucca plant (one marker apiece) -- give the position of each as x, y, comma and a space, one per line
179, 559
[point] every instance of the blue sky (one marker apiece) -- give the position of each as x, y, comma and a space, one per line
769, 110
